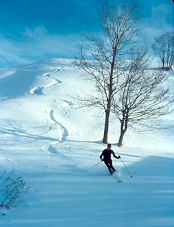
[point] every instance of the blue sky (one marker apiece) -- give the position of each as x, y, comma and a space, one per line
34, 30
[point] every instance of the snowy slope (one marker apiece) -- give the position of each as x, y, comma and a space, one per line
52, 145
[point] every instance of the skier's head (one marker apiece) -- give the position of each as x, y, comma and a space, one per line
109, 145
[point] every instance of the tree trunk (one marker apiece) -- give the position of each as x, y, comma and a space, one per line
106, 127
122, 132
120, 141
107, 112
124, 124
162, 63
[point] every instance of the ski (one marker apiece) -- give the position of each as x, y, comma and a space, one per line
116, 178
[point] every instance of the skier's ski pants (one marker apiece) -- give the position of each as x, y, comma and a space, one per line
108, 163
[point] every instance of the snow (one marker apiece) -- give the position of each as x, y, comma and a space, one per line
51, 145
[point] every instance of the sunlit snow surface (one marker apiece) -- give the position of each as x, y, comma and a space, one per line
51, 145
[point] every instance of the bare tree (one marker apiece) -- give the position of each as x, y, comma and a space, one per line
144, 98
119, 31
164, 49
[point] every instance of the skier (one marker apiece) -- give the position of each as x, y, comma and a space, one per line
106, 157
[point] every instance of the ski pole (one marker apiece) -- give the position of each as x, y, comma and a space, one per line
126, 168
94, 165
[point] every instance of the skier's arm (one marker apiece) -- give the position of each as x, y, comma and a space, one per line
115, 156
101, 156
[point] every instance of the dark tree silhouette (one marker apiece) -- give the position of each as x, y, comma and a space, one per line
118, 38
163, 48
144, 97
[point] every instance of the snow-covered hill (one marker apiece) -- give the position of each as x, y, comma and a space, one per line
47, 147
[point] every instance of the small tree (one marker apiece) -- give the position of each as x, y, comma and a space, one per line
117, 40
164, 49
143, 98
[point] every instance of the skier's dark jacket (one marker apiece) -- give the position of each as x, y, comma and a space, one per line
107, 155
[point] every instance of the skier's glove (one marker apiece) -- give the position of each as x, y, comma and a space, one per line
119, 156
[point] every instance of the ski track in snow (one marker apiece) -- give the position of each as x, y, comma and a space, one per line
66, 104
36, 91
39, 89
63, 131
